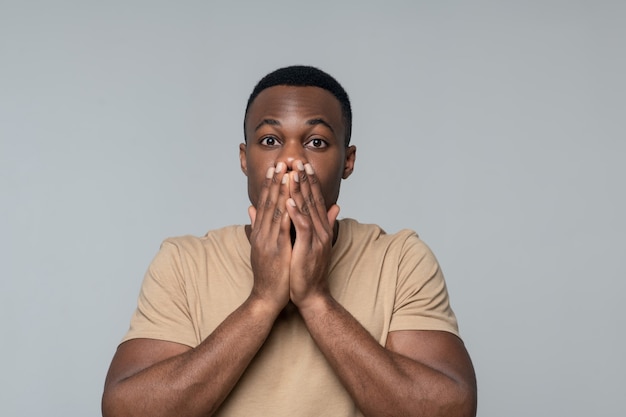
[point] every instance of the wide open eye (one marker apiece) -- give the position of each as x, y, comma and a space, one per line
316, 143
269, 141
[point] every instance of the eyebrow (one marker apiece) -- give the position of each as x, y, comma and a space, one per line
271, 122
320, 121
312, 122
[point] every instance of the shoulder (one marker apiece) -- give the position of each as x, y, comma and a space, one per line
194, 252
229, 235
351, 230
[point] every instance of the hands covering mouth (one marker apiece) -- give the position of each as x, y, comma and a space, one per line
291, 236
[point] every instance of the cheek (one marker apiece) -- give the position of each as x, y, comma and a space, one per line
258, 166
256, 170
330, 180
328, 172
256, 175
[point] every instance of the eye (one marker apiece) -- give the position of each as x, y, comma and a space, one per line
316, 143
269, 141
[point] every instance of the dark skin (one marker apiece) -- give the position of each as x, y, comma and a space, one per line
295, 158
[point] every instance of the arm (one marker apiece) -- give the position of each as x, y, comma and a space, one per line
421, 373
417, 373
149, 377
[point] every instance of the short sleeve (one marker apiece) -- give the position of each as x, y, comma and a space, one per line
162, 308
422, 301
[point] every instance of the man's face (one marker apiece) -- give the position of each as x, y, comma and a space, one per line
286, 124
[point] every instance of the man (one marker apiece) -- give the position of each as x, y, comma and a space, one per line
297, 313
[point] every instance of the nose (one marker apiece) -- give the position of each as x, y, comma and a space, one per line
292, 151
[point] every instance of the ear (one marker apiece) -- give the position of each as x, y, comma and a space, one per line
349, 164
243, 160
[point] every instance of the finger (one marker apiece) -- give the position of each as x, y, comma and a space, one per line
297, 180
298, 207
315, 198
301, 190
281, 215
310, 222
314, 201
272, 208
264, 194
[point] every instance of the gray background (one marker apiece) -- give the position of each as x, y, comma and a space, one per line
494, 129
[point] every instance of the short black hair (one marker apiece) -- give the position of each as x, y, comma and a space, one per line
305, 76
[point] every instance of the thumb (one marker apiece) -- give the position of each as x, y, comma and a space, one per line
252, 214
332, 214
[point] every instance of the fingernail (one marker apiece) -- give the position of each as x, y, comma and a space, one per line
279, 167
291, 202
299, 165
309, 169
296, 177
285, 178
269, 173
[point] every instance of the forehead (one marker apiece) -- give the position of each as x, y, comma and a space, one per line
281, 102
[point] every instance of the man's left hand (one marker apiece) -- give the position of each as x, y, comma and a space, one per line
314, 226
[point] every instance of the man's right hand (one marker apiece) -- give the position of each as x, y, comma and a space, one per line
270, 239
150, 377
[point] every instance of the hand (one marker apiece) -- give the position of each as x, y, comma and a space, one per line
314, 226
270, 241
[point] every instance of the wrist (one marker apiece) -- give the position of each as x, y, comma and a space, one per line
263, 307
315, 305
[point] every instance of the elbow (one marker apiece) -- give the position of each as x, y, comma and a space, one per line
463, 402
113, 403
457, 400
108, 403
460, 401
106, 406
469, 404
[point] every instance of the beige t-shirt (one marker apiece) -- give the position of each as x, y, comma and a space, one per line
387, 282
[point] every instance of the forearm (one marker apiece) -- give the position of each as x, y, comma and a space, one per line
196, 382
380, 381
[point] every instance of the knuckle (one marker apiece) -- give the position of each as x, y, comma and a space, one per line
306, 227
278, 214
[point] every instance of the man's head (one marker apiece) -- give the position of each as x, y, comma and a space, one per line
298, 114
306, 76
